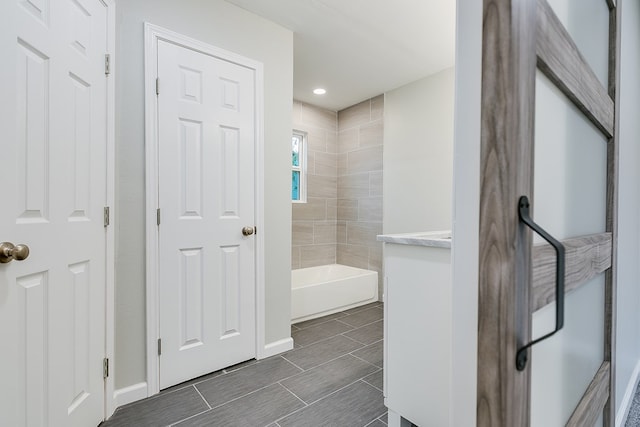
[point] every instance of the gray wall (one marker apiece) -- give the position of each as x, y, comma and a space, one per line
418, 155
360, 144
223, 25
628, 325
314, 222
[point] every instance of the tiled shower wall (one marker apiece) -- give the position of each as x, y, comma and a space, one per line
360, 143
343, 213
314, 222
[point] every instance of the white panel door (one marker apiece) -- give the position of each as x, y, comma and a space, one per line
53, 168
206, 196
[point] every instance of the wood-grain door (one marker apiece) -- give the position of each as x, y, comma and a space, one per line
206, 111
53, 158
548, 133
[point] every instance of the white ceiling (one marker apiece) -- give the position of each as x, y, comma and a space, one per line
357, 49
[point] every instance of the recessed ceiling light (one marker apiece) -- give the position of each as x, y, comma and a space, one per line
319, 91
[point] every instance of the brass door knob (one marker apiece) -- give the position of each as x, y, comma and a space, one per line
247, 231
9, 252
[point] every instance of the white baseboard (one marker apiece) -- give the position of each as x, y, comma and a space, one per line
134, 392
627, 399
276, 347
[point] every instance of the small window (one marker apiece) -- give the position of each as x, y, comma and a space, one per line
298, 166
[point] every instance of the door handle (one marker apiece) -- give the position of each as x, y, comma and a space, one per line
9, 252
523, 212
248, 231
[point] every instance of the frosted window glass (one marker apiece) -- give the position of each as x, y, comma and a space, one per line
563, 366
587, 21
570, 167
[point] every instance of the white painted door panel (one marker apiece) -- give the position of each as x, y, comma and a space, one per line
53, 163
206, 196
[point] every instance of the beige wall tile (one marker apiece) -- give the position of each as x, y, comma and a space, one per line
353, 186
296, 113
311, 256
311, 162
326, 164
342, 165
295, 258
324, 233
371, 134
377, 107
348, 140
355, 115
355, 256
375, 257
370, 209
375, 183
365, 160
332, 142
319, 117
363, 233
314, 209
316, 139
341, 232
332, 209
322, 186
347, 209
302, 233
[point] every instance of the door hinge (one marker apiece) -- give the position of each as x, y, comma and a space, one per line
158, 216
157, 86
105, 367
106, 216
159, 346
107, 64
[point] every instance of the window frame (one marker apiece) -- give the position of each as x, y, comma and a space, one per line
302, 168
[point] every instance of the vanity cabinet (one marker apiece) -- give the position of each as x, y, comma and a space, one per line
417, 328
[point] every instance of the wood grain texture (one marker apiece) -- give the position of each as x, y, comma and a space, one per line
585, 257
593, 400
611, 277
508, 88
561, 61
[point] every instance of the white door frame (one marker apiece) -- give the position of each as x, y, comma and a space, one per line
153, 34
110, 403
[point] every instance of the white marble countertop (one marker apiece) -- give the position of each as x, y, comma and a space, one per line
436, 239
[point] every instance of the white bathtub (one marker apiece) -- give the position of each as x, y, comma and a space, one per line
327, 289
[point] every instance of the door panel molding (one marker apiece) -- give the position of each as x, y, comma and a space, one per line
154, 34
586, 257
561, 61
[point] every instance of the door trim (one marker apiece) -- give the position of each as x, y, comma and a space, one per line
153, 34
110, 401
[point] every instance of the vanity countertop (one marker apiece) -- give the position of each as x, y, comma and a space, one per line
436, 239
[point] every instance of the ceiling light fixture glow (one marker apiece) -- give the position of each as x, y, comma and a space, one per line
319, 91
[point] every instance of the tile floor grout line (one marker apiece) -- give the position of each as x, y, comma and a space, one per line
327, 339
359, 342
365, 361
317, 400
295, 395
324, 363
366, 324
261, 388
201, 396
189, 417
299, 367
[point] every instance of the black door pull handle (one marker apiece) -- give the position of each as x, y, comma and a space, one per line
523, 212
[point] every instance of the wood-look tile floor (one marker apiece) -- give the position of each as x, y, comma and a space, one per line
332, 377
